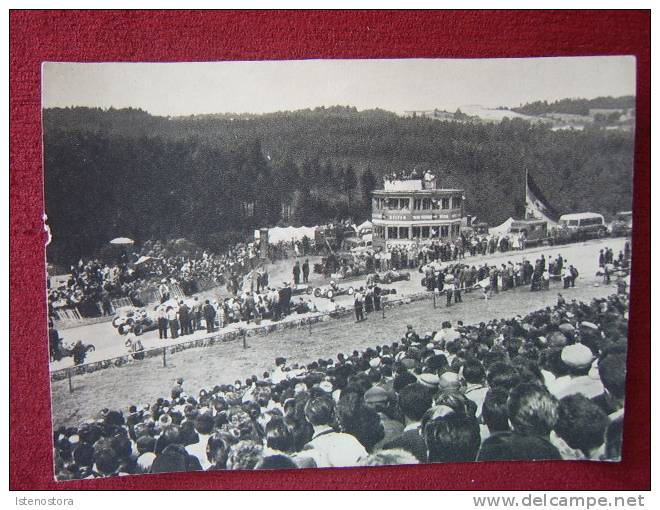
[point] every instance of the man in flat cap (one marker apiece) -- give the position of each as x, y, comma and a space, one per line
578, 359
379, 400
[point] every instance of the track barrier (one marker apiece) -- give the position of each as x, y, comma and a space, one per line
220, 337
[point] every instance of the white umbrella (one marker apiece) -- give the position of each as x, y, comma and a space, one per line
121, 240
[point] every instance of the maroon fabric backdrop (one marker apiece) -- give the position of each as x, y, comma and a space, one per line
96, 36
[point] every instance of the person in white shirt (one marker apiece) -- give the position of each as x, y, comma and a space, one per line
447, 333
278, 375
204, 429
172, 319
475, 377
329, 448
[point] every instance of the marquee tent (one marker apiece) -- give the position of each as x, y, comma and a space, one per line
121, 241
503, 228
286, 234
367, 225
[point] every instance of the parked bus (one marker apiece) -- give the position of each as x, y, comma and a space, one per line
583, 225
535, 231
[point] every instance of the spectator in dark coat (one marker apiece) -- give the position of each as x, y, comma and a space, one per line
209, 316
184, 319
305, 271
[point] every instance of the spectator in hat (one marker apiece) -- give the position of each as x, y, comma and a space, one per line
410, 334
378, 399
196, 314
578, 359
430, 381
449, 381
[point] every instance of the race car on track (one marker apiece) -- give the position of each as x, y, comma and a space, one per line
386, 292
136, 318
301, 288
333, 290
388, 277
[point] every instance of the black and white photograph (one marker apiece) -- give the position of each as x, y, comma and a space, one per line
336, 263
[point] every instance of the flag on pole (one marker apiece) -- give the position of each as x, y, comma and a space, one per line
536, 205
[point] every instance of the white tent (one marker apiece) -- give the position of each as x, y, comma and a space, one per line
367, 225
287, 234
501, 229
121, 240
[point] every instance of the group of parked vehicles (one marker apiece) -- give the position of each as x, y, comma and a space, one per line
573, 227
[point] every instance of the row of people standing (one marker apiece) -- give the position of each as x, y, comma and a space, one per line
366, 301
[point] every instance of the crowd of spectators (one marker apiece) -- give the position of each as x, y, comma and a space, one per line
92, 285
493, 278
188, 316
549, 385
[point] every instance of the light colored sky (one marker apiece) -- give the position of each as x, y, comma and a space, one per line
396, 85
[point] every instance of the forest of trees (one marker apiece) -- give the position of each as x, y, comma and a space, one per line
214, 178
576, 106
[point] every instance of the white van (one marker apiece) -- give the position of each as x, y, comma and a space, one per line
586, 224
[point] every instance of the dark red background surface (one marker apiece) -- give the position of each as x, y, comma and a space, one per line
37, 36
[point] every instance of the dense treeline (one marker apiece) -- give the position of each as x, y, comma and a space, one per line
576, 106
214, 178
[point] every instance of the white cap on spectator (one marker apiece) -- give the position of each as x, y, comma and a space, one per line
577, 355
